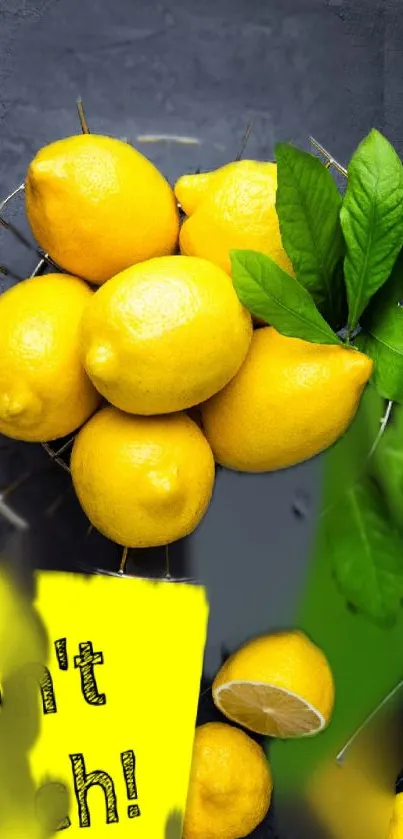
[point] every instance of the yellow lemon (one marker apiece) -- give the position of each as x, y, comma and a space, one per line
396, 824
230, 784
142, 481
97, 205
289, 401
165, 335
280, 685
44, 390
232, 207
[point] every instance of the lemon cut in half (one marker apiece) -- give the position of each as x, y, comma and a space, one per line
277, 685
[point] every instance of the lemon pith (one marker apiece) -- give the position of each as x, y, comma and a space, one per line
298, 720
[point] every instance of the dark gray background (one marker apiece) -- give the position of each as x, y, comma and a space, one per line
328, 68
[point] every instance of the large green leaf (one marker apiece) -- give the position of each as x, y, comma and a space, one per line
382, 336
367, 557
348, 460
308, 206
277, 298
372, 220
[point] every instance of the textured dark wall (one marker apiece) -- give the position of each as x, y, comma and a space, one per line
328, 68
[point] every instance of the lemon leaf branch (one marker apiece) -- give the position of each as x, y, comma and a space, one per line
382, 335
277, 298
372, 220
367, 562
308, 205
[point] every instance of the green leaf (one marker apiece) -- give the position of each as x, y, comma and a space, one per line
277, 298
308, 205
348, 460
366, 553
382, 336
372, 220
387, 466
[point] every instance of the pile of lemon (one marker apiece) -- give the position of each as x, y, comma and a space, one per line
144, 325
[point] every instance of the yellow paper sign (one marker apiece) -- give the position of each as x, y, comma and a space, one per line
118, 699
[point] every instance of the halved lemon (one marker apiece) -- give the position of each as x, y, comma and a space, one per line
280, 685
